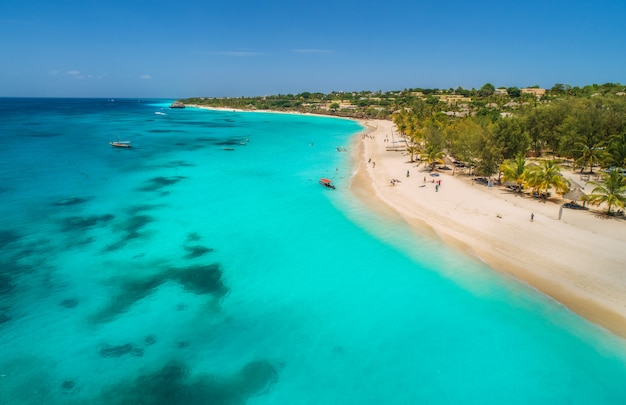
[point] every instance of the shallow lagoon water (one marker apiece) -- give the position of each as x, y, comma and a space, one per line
181, 271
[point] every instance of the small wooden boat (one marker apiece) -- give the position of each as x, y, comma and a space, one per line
121, 144
326, 183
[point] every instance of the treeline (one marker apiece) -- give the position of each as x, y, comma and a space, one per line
591, 131
487, 100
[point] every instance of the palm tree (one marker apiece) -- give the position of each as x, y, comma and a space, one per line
433, 155
612, 192
412, 149
515, 171
590, 154
547, 175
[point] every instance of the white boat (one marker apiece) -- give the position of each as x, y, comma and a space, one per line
121, 144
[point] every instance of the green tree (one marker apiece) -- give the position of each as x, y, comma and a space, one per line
514, 92
617, 150
591, 154
487, 90
612, 192
542, 124
489, 150
515, 170
546, 175
510, 134
432, 155
466, 140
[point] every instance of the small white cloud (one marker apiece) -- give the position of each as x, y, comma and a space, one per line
53, 72
73, 72
145, 77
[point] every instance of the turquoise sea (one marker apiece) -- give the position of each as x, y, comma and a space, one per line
207, 266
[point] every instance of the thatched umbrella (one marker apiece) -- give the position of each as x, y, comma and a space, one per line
574, 194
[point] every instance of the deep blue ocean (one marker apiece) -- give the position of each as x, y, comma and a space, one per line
206, 265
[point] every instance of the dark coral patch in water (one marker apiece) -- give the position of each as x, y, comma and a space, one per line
135, 224
69, 303
120, 350
68, 384
4, 316
81, 223
178, 163
131, 228
8, 236
158, 183
149, 340
64, 202
193, 237
130, 292
6, 284
196, 251
231, 141
202, 279
173, 384
136, 209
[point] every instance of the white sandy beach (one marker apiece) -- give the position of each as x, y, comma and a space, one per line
578, 260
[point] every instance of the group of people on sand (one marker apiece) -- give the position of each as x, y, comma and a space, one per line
408, 174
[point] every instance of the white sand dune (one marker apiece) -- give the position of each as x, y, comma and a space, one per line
579, 260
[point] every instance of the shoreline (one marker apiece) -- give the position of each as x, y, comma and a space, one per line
577, 260
226, 109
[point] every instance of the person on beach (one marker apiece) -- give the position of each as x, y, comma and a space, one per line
407, 173
532, 216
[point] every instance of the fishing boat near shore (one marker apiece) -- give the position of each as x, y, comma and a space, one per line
326, 183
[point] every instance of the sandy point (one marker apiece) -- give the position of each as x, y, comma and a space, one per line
575, 257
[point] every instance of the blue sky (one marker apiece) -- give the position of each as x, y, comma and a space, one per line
176, 49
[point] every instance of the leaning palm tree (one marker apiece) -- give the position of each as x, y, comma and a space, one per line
515, 171
612, 192
546, 175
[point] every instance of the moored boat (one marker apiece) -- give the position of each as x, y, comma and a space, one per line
326, 183
121, 144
